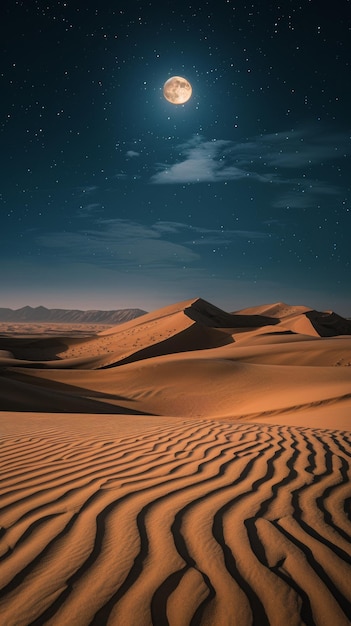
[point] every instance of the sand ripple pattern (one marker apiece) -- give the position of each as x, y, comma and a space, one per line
209, 523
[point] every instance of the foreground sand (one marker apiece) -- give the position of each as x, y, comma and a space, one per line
178, 471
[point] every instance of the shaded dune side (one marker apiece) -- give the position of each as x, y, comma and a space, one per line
210, 315
329, 324
23, 392
34, 349
202, 524
195, 337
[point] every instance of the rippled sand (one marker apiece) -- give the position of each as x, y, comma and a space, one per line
143, 483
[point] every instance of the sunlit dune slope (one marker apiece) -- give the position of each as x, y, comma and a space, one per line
278, 310
189, 359
178, 386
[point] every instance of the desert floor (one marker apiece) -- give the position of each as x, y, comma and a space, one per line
189, 467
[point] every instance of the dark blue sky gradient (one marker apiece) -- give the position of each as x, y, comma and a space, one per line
111, 197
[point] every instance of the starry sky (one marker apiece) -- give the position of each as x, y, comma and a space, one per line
111, 197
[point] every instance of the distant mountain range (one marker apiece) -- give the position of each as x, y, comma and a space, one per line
68, 316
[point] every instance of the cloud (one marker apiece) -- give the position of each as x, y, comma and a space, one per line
198, 235
265, 158
204, 162
88, 210
309, 146
305, 194
132, 154
121, 242
128, 245
87, 190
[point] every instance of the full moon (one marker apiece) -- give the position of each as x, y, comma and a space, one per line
177, 90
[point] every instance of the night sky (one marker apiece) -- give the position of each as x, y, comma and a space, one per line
111, 197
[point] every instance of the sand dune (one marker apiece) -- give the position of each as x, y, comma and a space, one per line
189, 467
184, 360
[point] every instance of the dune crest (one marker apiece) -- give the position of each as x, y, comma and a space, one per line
278, 310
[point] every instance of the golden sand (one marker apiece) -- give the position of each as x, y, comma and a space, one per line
185, 468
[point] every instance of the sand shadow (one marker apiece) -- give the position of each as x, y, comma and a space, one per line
329, 324
32, 393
